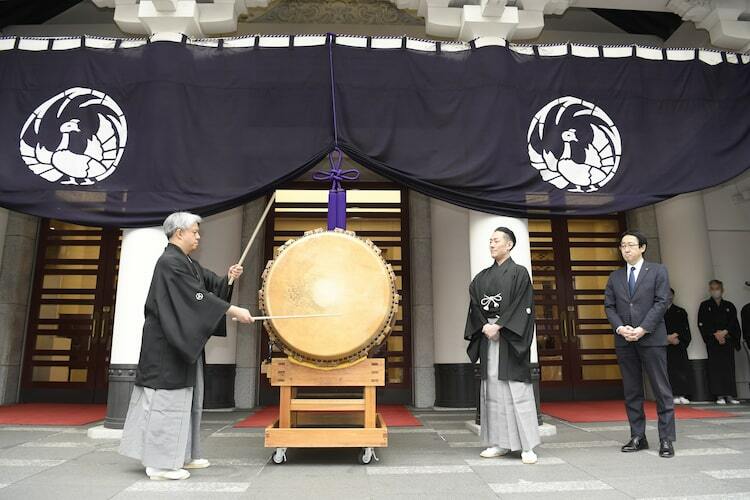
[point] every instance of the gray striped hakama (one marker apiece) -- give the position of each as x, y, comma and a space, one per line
508, 410
162, 428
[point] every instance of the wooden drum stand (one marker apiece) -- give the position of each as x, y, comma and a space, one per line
326, 423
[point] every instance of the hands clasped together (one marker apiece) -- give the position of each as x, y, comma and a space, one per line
721, 336
492, 332
631, 334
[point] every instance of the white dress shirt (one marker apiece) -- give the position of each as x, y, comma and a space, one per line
638, 265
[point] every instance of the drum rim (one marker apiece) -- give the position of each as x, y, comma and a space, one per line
376, 339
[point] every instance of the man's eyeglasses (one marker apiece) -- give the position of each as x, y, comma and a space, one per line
629, 245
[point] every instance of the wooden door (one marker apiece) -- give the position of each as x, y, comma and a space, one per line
69, 332
571, 260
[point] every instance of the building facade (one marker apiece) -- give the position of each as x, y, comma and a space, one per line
71, 297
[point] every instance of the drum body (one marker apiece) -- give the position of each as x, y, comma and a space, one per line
329, 272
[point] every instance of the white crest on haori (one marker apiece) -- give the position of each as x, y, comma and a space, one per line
76, 137
574, 145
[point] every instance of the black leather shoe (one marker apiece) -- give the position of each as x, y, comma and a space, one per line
665, 448
635, 444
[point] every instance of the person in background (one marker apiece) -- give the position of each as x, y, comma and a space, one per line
745, 316
717, 320
678, 340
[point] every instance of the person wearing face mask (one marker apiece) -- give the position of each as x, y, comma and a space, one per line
717, 320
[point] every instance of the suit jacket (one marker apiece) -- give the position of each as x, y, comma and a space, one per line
645, 308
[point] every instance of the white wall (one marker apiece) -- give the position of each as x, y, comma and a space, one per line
451, 277
220, 247
729, 236
141, 248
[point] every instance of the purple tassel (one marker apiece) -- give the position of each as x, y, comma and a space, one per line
333, 209
340, 196
337, 194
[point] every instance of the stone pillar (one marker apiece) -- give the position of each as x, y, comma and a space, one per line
686, 252
220, 247
455, 384
18, 240
248, 336
420, 268
3, 227
141, 249
644, 220
481, 227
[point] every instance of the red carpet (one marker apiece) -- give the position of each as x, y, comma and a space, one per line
51, 414
261, 418
614, 411
393, 415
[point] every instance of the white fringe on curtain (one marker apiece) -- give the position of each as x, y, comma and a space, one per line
708, 56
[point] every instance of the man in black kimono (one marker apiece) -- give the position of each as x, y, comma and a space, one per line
500, 329
185, 306
678, 364
717, 320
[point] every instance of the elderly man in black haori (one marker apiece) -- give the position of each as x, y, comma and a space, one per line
185, 306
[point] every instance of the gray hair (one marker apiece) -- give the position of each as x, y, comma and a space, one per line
179, 220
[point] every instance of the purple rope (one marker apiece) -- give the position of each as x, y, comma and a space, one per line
331, 38
336, 195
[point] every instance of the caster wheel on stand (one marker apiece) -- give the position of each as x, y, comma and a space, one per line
367, 455
279, 456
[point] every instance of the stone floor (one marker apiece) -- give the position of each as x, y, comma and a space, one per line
439, 460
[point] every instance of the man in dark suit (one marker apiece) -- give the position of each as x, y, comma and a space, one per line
635, 301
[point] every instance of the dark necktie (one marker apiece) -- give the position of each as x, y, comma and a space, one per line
631, 281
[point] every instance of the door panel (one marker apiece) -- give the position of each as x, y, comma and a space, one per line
571, 261
69, 331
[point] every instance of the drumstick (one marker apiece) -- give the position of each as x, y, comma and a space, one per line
255, 232
295, 316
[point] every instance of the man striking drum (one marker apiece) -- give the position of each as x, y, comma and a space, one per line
500, 329
186, 305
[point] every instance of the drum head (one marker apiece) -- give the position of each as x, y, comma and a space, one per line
329, 272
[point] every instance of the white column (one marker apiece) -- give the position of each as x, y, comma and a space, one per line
686, 251
141, 249
450, 280
220, 247
481, 227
